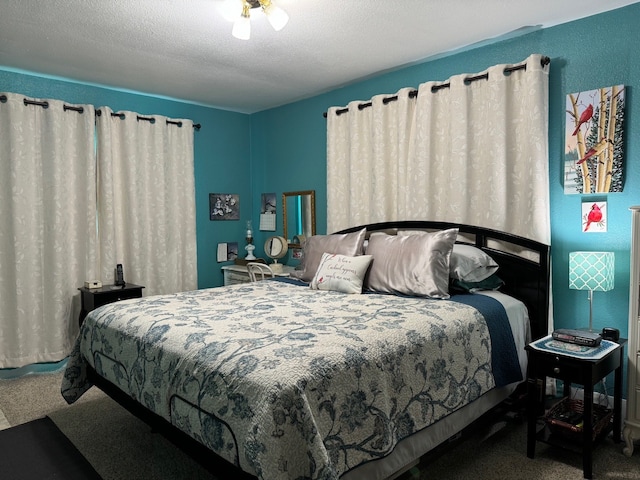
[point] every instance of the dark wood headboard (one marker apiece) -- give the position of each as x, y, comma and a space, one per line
524, 263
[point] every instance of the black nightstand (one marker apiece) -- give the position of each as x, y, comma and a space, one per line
585, 372
93, 298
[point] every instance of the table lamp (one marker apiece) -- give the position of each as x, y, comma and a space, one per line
592, 271
250, 246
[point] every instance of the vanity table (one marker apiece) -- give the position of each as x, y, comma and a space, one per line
234, 274
299, 222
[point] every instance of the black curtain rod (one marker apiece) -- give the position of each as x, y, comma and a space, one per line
414, 93
148, 119
45, 105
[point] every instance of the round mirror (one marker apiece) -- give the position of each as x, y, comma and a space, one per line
275, 247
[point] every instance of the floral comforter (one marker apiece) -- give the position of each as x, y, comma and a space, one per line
288, 382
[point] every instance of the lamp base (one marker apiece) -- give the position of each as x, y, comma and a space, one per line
250, 248
585, 329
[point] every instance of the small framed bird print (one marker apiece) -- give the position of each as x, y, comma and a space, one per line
594, 217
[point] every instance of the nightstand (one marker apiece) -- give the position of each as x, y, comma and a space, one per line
582, 371
92, 298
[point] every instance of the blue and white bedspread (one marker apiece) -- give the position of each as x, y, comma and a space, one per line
288, 382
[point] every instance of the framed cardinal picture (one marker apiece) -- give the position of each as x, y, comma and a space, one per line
594, 217
593, 141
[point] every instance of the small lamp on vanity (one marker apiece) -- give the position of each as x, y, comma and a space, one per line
592, 271
250, 246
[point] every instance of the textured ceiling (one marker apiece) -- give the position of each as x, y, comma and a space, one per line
183, 49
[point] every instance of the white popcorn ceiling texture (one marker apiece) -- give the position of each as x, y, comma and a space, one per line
183, 49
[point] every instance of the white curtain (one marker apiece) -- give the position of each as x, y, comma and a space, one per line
475, 152
367, 161
146, 201
47, 226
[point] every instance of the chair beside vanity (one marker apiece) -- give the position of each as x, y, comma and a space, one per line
234, 274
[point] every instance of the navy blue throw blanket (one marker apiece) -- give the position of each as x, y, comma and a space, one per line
504, 358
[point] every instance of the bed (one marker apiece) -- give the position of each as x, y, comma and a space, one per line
296, 378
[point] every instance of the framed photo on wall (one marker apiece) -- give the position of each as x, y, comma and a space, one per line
224, 206
268, 203
594, 141
594, 217
227, 251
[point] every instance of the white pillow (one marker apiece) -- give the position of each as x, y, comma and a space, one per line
341, 273
470, 264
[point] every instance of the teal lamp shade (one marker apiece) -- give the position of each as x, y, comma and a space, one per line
592, 271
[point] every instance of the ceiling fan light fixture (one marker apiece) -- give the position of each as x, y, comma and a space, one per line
242, 26
277, 17
231, 9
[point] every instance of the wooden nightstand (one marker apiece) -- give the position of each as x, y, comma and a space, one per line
93, 298
585, 372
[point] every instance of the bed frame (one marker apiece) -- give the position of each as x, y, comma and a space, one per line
524, 263
524, 267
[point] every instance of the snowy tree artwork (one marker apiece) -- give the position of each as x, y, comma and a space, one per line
593, 141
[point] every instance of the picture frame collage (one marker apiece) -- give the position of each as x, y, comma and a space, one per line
594, 163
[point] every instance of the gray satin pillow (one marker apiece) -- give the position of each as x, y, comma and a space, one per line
470, 264
343, 243
416, 265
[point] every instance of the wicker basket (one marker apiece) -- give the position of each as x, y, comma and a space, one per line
565, 418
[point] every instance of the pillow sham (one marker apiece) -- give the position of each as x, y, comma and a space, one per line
415, 265
470, 264
341, 273
492, 282
341, 243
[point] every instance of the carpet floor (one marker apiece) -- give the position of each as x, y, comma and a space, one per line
120, 446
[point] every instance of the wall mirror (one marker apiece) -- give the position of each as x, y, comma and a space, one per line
299, 216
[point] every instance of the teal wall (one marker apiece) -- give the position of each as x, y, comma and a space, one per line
221, 149
284, 148
289, 143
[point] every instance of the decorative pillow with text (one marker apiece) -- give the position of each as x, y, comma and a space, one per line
341, 273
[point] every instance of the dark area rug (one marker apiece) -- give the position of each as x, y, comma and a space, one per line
38, 450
